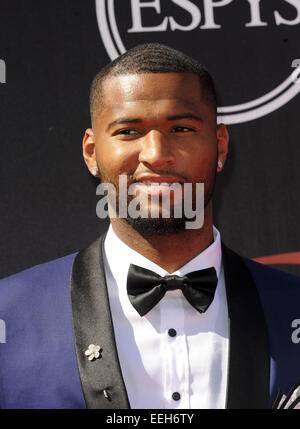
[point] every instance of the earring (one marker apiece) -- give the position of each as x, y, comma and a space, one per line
95, 171
220, 165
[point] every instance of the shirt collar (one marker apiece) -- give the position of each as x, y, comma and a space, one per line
119, 256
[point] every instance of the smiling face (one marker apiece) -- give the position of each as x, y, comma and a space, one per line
156, 128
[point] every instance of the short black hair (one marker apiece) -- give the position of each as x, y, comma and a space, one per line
152, 58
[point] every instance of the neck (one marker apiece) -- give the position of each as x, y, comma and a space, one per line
169, 251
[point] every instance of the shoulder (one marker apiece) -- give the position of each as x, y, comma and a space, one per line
272, 279
263, 274
279, 291
268, 272
279, 294
38, 282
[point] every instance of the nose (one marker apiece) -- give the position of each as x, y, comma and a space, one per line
156, 150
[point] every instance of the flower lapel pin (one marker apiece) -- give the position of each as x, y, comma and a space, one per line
93, 352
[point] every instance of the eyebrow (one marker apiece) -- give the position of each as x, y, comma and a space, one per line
185, 116
123, 121
139, 120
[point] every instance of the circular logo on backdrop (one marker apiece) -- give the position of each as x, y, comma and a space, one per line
249, 47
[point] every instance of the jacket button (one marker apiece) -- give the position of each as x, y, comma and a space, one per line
176, 396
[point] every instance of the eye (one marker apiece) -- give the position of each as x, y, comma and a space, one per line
181, 129
127, 132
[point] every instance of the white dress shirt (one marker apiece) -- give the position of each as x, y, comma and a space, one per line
192, 364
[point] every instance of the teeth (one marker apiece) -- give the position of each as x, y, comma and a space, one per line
148, 183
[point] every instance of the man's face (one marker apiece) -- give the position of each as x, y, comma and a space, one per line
156, 128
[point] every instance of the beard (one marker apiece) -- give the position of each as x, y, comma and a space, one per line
148, 226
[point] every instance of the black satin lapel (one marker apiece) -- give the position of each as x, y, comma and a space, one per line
249, 361
92, 324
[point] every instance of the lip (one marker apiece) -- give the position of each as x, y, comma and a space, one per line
156, 185
158, 179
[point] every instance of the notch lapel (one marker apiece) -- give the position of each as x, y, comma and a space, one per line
249, 361
92, 324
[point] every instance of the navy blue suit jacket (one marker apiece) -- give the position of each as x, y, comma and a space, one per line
53, 311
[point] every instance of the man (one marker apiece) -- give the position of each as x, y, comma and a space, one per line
160, 315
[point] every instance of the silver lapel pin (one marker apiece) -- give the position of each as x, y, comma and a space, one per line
106, 395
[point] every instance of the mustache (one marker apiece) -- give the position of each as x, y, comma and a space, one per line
134, 176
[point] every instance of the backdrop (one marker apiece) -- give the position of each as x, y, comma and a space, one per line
50, 52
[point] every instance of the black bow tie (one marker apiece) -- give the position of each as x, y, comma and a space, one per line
146, 288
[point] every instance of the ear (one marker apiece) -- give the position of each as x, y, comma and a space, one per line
88, 150
223, 140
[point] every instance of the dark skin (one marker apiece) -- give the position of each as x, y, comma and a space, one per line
158, 127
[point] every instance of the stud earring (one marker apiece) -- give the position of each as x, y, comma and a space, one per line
220, 165
95, 171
